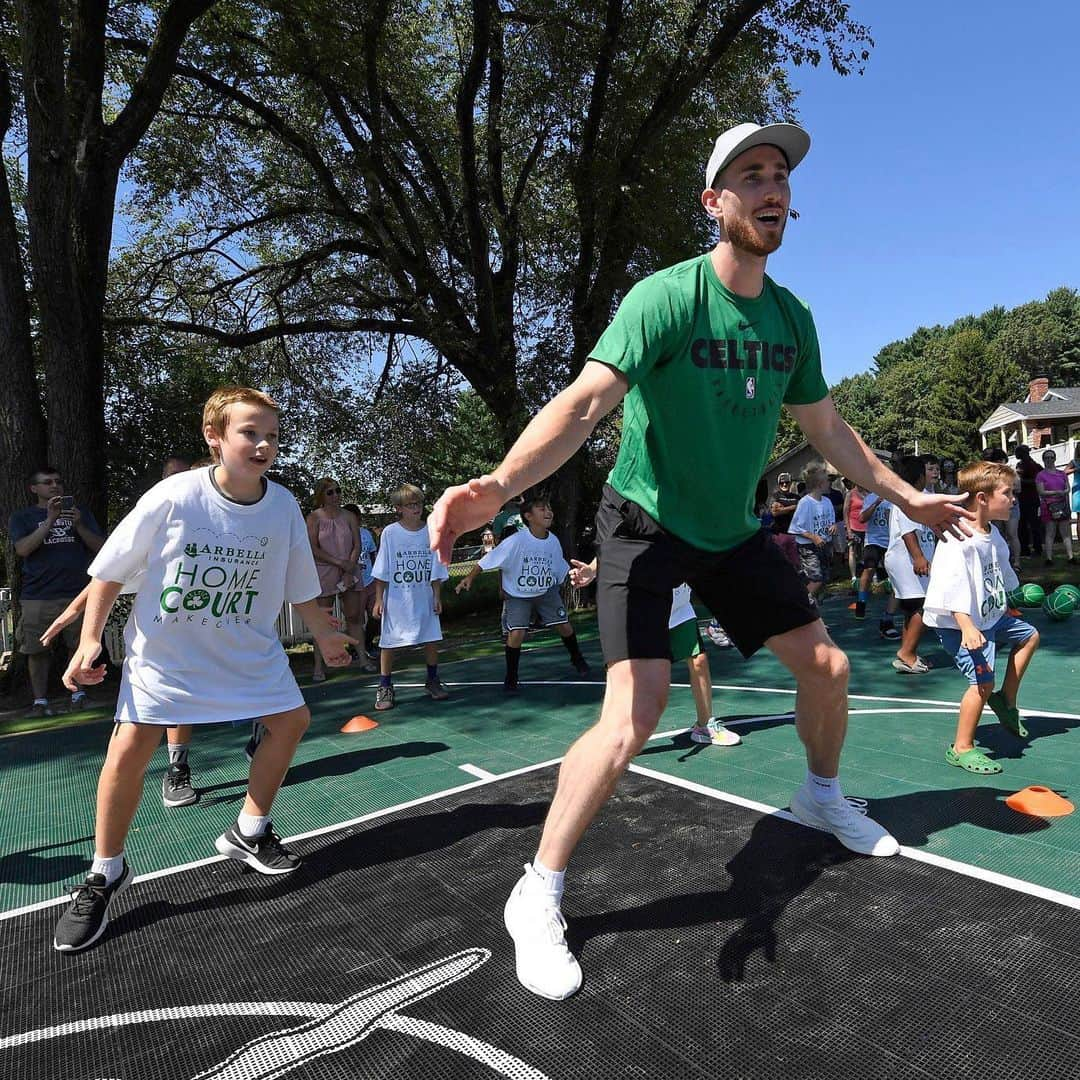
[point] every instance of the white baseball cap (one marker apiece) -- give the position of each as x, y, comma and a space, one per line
789, 138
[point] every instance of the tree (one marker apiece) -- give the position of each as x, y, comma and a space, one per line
79, 114
1043, 337
476, 176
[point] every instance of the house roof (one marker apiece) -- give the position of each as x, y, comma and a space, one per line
1063, 403
884, 455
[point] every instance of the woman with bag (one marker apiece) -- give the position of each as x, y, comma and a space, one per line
1054, 510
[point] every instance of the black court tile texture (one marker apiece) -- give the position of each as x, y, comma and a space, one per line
716, 943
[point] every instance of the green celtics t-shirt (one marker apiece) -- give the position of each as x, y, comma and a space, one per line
708, 373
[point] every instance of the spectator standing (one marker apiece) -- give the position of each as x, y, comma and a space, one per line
55, 539
856, 529
1030, 527
1055, 512
782, 506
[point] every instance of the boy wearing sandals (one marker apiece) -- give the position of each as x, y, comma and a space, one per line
965, 603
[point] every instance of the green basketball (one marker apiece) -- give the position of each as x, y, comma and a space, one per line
1072, 591
1015, 597
1032, 595
1059, 605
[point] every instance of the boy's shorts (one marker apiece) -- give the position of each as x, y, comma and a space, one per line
518, 610
978, 664
811, 564
752, 589
855, 543
685, 641
873, 556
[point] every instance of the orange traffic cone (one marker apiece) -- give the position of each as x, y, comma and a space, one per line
359, 723
1040, 801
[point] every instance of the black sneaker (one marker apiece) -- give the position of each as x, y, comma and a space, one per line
860, 609
581, 666
88, 915
889, 632
176, 789
264, 853
510, 686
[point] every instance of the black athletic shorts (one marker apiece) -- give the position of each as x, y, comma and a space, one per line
752, 590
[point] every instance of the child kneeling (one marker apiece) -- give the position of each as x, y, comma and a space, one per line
965, 603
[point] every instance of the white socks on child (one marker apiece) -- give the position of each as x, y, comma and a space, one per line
824, 789
110, 867
250, 825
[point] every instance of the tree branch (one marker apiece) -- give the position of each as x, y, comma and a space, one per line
241, 339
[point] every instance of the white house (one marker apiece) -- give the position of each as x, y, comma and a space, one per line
1047, 419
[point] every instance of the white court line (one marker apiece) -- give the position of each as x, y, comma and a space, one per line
967, 869
764, 690
302, 836
475, 770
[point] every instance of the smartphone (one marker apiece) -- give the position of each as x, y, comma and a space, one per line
67, 504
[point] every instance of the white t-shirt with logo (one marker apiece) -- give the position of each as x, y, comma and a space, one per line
812, 516
907, 585
682, 610
970, 575
408, 566
877, 524
530, 566
212, 575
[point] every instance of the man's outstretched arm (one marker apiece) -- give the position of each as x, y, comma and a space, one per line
552, 437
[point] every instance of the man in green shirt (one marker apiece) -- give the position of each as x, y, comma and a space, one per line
702, 355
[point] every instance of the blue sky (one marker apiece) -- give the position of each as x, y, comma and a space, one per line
941, 182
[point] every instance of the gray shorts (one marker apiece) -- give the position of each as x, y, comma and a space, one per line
811, 561
518, 610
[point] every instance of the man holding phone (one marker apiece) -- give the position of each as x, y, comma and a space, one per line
56, 539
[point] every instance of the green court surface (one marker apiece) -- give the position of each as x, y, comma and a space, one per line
893, 758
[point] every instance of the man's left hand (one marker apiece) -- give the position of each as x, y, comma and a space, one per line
943, 513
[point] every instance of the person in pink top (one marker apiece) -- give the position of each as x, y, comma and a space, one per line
856, 529
335, 542
1054, 510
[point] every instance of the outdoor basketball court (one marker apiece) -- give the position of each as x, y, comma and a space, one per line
717, 936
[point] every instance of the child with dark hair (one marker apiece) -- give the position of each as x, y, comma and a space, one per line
533, 570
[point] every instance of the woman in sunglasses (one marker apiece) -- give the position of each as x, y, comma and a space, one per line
335, 541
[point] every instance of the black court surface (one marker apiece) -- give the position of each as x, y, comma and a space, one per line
716, 942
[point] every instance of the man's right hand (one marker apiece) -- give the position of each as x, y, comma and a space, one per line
461, 509
81, 671
53, 509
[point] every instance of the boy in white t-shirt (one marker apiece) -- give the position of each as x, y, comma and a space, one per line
408, 595
216, 552
532, 572
814, 525
966, 603
907, 562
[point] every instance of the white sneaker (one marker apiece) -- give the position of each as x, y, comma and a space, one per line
533, 919
715, 734
847, 821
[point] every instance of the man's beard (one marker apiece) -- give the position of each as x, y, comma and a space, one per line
742, 235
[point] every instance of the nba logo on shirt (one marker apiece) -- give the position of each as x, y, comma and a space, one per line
751, 386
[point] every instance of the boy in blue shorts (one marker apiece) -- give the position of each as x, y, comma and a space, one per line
965, 603
215, 552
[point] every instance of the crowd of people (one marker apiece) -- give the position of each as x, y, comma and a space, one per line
701, 356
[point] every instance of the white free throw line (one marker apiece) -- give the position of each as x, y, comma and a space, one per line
967, 869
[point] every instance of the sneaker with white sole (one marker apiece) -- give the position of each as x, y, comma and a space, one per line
264, 852
847, 821
87, 916
544, 964
176, 787
714, 734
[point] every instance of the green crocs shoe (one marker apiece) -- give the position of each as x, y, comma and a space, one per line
974, 760
1008, 715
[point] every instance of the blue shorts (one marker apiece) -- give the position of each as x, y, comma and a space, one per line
978, 664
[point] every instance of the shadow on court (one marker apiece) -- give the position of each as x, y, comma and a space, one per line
386, 844
1004, 744
30, 867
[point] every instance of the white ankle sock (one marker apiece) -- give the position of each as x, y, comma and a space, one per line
553, 879
41, 701
824, 788
112, 867
250, 825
